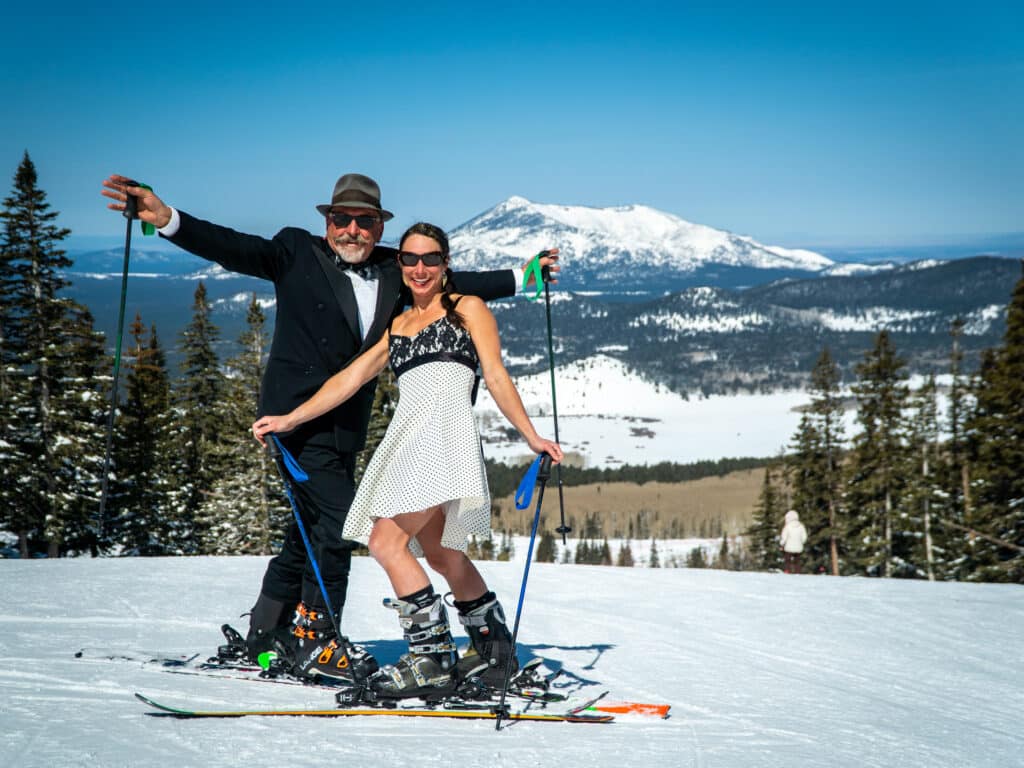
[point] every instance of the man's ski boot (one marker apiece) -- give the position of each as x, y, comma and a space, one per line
266, 629
428, 670
490, 641
317, 652
268, 626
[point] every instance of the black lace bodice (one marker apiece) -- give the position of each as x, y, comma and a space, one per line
438, 341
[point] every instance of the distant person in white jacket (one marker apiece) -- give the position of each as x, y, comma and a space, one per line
792, 540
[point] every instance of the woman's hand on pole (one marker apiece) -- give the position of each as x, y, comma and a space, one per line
550, 447
268, 424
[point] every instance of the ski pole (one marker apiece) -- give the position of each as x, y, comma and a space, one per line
538, 474
546, 274
131, 212
288, 466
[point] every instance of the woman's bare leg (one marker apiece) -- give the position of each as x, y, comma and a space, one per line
389, 545
458, 570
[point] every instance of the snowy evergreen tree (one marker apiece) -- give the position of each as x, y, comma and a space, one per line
507, 549
487, 548
696, 558
198, 407
878, 546
653, 561
605, 554
582, 554
40, 331
763, 532
722, 559
245, 511
79, 412
925, 502
546, 549
143, 515
996, 435
807, 474
954, 470
625, 556
827, 411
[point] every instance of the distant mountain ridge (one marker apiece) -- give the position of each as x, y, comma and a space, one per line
624, 248
686, 306
715, 340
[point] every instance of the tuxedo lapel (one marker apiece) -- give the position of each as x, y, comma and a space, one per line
342, 288
389, 284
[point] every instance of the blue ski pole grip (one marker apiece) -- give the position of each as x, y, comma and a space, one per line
524, 493
297, 472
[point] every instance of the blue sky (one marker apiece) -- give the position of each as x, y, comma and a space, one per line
824, 124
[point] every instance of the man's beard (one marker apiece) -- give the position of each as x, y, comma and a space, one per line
348, 254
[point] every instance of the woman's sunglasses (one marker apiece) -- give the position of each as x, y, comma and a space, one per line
432, 259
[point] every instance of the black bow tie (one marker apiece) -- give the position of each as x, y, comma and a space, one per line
364, 269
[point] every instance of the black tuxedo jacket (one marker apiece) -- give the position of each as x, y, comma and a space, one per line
316, 333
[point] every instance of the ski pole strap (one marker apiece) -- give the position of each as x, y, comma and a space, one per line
524, 493
297, 472
540, 276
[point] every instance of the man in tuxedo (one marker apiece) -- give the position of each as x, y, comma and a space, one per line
335, 296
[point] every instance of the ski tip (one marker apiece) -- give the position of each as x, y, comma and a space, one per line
632, 708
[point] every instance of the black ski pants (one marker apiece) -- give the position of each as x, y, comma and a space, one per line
323, 502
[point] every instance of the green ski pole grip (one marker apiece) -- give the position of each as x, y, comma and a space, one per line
533, 269
147, 228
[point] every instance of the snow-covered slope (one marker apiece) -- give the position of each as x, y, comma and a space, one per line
611, 415
761, 670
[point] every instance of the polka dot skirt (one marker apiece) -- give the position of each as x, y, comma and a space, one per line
430, 454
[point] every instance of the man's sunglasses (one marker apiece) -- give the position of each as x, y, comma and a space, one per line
432, 259
363, 221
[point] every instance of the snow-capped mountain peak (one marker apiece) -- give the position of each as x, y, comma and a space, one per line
607, 243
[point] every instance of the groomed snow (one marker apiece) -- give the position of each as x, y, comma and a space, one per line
612, 416
761, 670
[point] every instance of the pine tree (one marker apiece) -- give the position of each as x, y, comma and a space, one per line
827, 410
996, 434
954, 471
79, 419
722, 560
763, 532
696, 558
34, 321
18, 480
876, 481
507, 549
546, 549
653, 560
605, 555
625, 556
582, 554
197, 396
245, 511
924, 498
807, 473
142, 521
487, 548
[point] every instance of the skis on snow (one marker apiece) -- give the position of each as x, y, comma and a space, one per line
576, 715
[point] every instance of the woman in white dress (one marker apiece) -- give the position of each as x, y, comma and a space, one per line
425, 490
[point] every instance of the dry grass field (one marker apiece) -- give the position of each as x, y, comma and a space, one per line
707, 507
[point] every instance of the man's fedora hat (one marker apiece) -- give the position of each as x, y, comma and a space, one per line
353, 190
